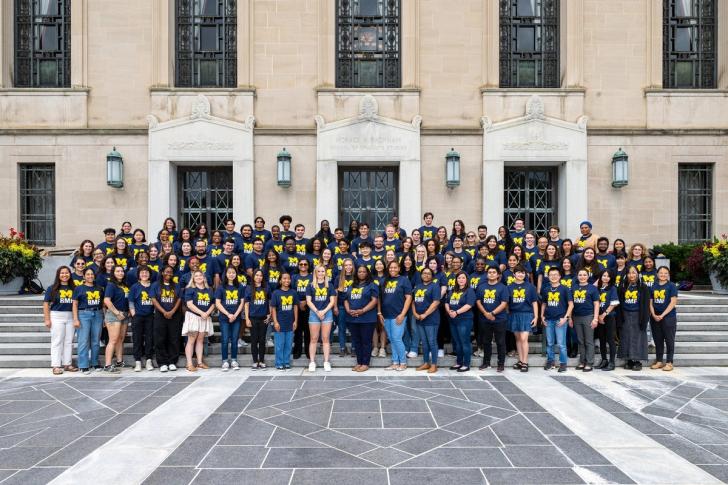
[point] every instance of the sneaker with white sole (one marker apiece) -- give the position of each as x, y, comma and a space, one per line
138, 366
240, 342
375, 352
411, 354
225, 366
327, 366
149, 365
441, 353
382, 352
163, 368
172, 367
254, 366
312, 367
235, 365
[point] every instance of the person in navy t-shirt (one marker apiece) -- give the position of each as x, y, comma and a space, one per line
556, 308
492, 304
663, 299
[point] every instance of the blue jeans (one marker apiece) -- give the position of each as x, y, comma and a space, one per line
411, 337
341, 323
283, 343
395, 333
429, 343
229, 336
89, 336
461, 335
558, 334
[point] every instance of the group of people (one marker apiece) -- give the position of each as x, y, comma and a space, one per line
423, 289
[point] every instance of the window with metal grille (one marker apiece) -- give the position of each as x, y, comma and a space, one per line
206, 43
695, 202
37, 189
368, 194
205, 196
42, 43
689, 38
368, 44
529, 44
530, 194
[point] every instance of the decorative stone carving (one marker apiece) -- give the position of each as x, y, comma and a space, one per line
534, 108
535, 141
200, 107
417, 121
320, 122
486, 123
152, 121
581, 122
368, 107
201, 144
250, 122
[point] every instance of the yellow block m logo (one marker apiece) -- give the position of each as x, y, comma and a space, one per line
603, 297
489, 294
391, 285
658, 294
420, 293
631, 294
322, 291
555, 297
356, 291
93, 295
286, 300
259, 295
581, 294
519, 293
65, 294
203, 297
231, 294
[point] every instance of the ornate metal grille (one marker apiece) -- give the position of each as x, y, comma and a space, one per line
38, 203
206, 43
695, 202
530, 194
206, 196
42, 43
367, 195
529, 44
368, 44
689, 38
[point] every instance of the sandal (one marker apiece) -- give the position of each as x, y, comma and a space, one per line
518, 365
202, 365
524, 367
191, 368
57, 371
70, 368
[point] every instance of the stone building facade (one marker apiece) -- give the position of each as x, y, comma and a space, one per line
539, 149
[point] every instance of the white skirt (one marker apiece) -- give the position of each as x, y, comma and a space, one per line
195, 324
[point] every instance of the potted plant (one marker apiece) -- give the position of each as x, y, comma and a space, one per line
20, 261
716, 261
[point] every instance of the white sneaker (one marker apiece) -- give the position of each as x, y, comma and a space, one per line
138, 366
411, 355
375, 352
150, 366
163, 368
225, 366
327, 366
172, 367
312, 367
441, 353
269, 343
235, 365
240, 342
382, 352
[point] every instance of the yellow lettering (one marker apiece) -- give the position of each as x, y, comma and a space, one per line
231, 294
555, 297
286, 300
322, 291
519, 293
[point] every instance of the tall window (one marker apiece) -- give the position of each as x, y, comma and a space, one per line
689, 38
368, 44
206, 40
695, 202
43, 43
37, 189
529, 44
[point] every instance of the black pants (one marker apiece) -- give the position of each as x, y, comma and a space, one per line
142, 328
511, 341
663, 333
167, 337
488, 330
606, 333
302, 334
257, 338
361, 340
443, 331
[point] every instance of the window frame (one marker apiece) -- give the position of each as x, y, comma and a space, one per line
26, 192
703, 25
685, 218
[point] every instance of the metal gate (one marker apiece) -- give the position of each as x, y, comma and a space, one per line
368, 195
530, 194
205, 196
38, 203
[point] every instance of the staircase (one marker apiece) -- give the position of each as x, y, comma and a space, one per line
702, 337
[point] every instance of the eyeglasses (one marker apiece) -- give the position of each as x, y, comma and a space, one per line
471, 236
80, 263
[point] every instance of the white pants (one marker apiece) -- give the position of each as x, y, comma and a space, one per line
61, 338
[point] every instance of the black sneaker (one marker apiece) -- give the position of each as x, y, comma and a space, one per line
562, 367
629, 364
637, 366
287, 367
484, 366
463, 369
455, 367
548, 366
85, 371
111, 369
609, 367
119, 364
500, 368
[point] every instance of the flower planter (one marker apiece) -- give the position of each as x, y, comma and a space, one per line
717, 287
12, 287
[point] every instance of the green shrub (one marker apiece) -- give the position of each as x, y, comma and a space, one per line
681, 268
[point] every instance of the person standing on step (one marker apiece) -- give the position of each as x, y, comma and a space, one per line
491, 298
360, 304
116, 301
257, 316
284, 314
142, 315
167, 302
395, 299
426, 300
586, 317
523, 314
663, 300
229, 300
301, 282
634, 305
198, 321
458, 304
58, 318
607, 329
556, 313
321, 300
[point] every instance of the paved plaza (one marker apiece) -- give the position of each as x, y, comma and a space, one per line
296, 428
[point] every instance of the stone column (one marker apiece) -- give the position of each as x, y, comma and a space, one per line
576, 205
244, 193
159, 190
162, 65
327, 191
410, 43
246, 44
574, 43
326, 53
79, 38
491, 44
493, 179
410, 193
653, 30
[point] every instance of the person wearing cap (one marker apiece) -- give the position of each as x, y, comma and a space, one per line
588, 239
109, 241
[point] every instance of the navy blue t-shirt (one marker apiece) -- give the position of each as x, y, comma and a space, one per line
119, 295
477, 279
458, 299
423, 296
606, 261
584, 298
200, 297
556, 300
661, 295
606, 297
521, 297
491, 297
284, 301
257, 299
649, 278
230, 297
427, 232
141, 297
63, 300
166, 294
393, 293
89, 297
320, 297
301, 284
359, 297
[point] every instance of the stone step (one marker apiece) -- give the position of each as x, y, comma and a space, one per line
34, 300
690, 308
703, 317
21, 309
701, 336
